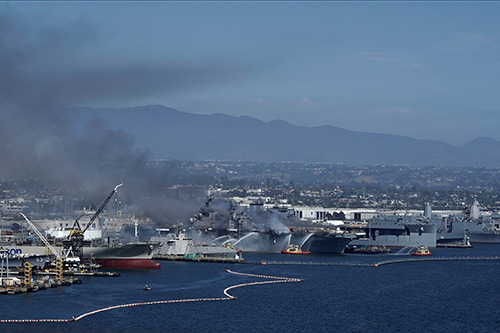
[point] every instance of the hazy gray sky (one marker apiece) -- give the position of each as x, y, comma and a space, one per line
429, 70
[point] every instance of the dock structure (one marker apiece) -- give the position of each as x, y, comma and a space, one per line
407, 260
27, 267
320, 263
376, 264
22, 279
37, 285
224, 260
38, 272
308, 263
79, 273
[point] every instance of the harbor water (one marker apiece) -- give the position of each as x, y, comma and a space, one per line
341, 293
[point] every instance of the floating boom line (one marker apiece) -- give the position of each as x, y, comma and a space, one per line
229, 297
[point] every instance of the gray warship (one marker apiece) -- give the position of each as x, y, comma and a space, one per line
180, 244
471, 225
398, 231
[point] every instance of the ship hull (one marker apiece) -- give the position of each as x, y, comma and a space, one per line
128, 263
323, 244
262, 242
473, 231
181, 245
492, 238
269, 242
255, 241
398, 235
131, 255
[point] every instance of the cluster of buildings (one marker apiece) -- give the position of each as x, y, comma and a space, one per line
249, 188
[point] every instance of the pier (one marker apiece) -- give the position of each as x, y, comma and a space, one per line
308, 263
80, 273
322, 263
426, 259
376, 264
21, 280
14, 285
224, 260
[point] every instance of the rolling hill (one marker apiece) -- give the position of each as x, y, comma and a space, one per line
169, 133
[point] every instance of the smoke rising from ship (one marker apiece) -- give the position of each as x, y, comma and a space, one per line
47, 70
218, 213
269, 220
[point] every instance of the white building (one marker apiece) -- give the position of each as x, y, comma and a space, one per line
320, 213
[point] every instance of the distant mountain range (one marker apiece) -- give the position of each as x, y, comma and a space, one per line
169, 133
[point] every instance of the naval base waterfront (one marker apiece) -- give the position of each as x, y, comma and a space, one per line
409, 296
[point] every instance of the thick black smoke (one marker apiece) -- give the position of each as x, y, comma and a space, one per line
47, 70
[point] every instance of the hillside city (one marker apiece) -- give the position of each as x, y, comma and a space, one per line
294, 185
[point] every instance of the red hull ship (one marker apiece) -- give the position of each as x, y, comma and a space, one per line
129, 263
131, 255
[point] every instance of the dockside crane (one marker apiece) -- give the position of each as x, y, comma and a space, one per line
42, 237
73, 245
59, 261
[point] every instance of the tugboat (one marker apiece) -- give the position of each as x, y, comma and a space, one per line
294, 249
422, 250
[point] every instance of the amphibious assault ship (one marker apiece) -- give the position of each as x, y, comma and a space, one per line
261, 231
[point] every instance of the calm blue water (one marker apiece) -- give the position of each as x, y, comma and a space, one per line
455, 296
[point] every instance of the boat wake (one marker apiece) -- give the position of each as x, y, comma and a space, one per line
405, 251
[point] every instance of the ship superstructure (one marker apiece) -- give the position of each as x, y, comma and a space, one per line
472, 225
398, 231
179, 244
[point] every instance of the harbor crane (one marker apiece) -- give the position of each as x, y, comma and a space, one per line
42, 237
74, 243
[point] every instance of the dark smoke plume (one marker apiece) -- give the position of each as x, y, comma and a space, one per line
45, 71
